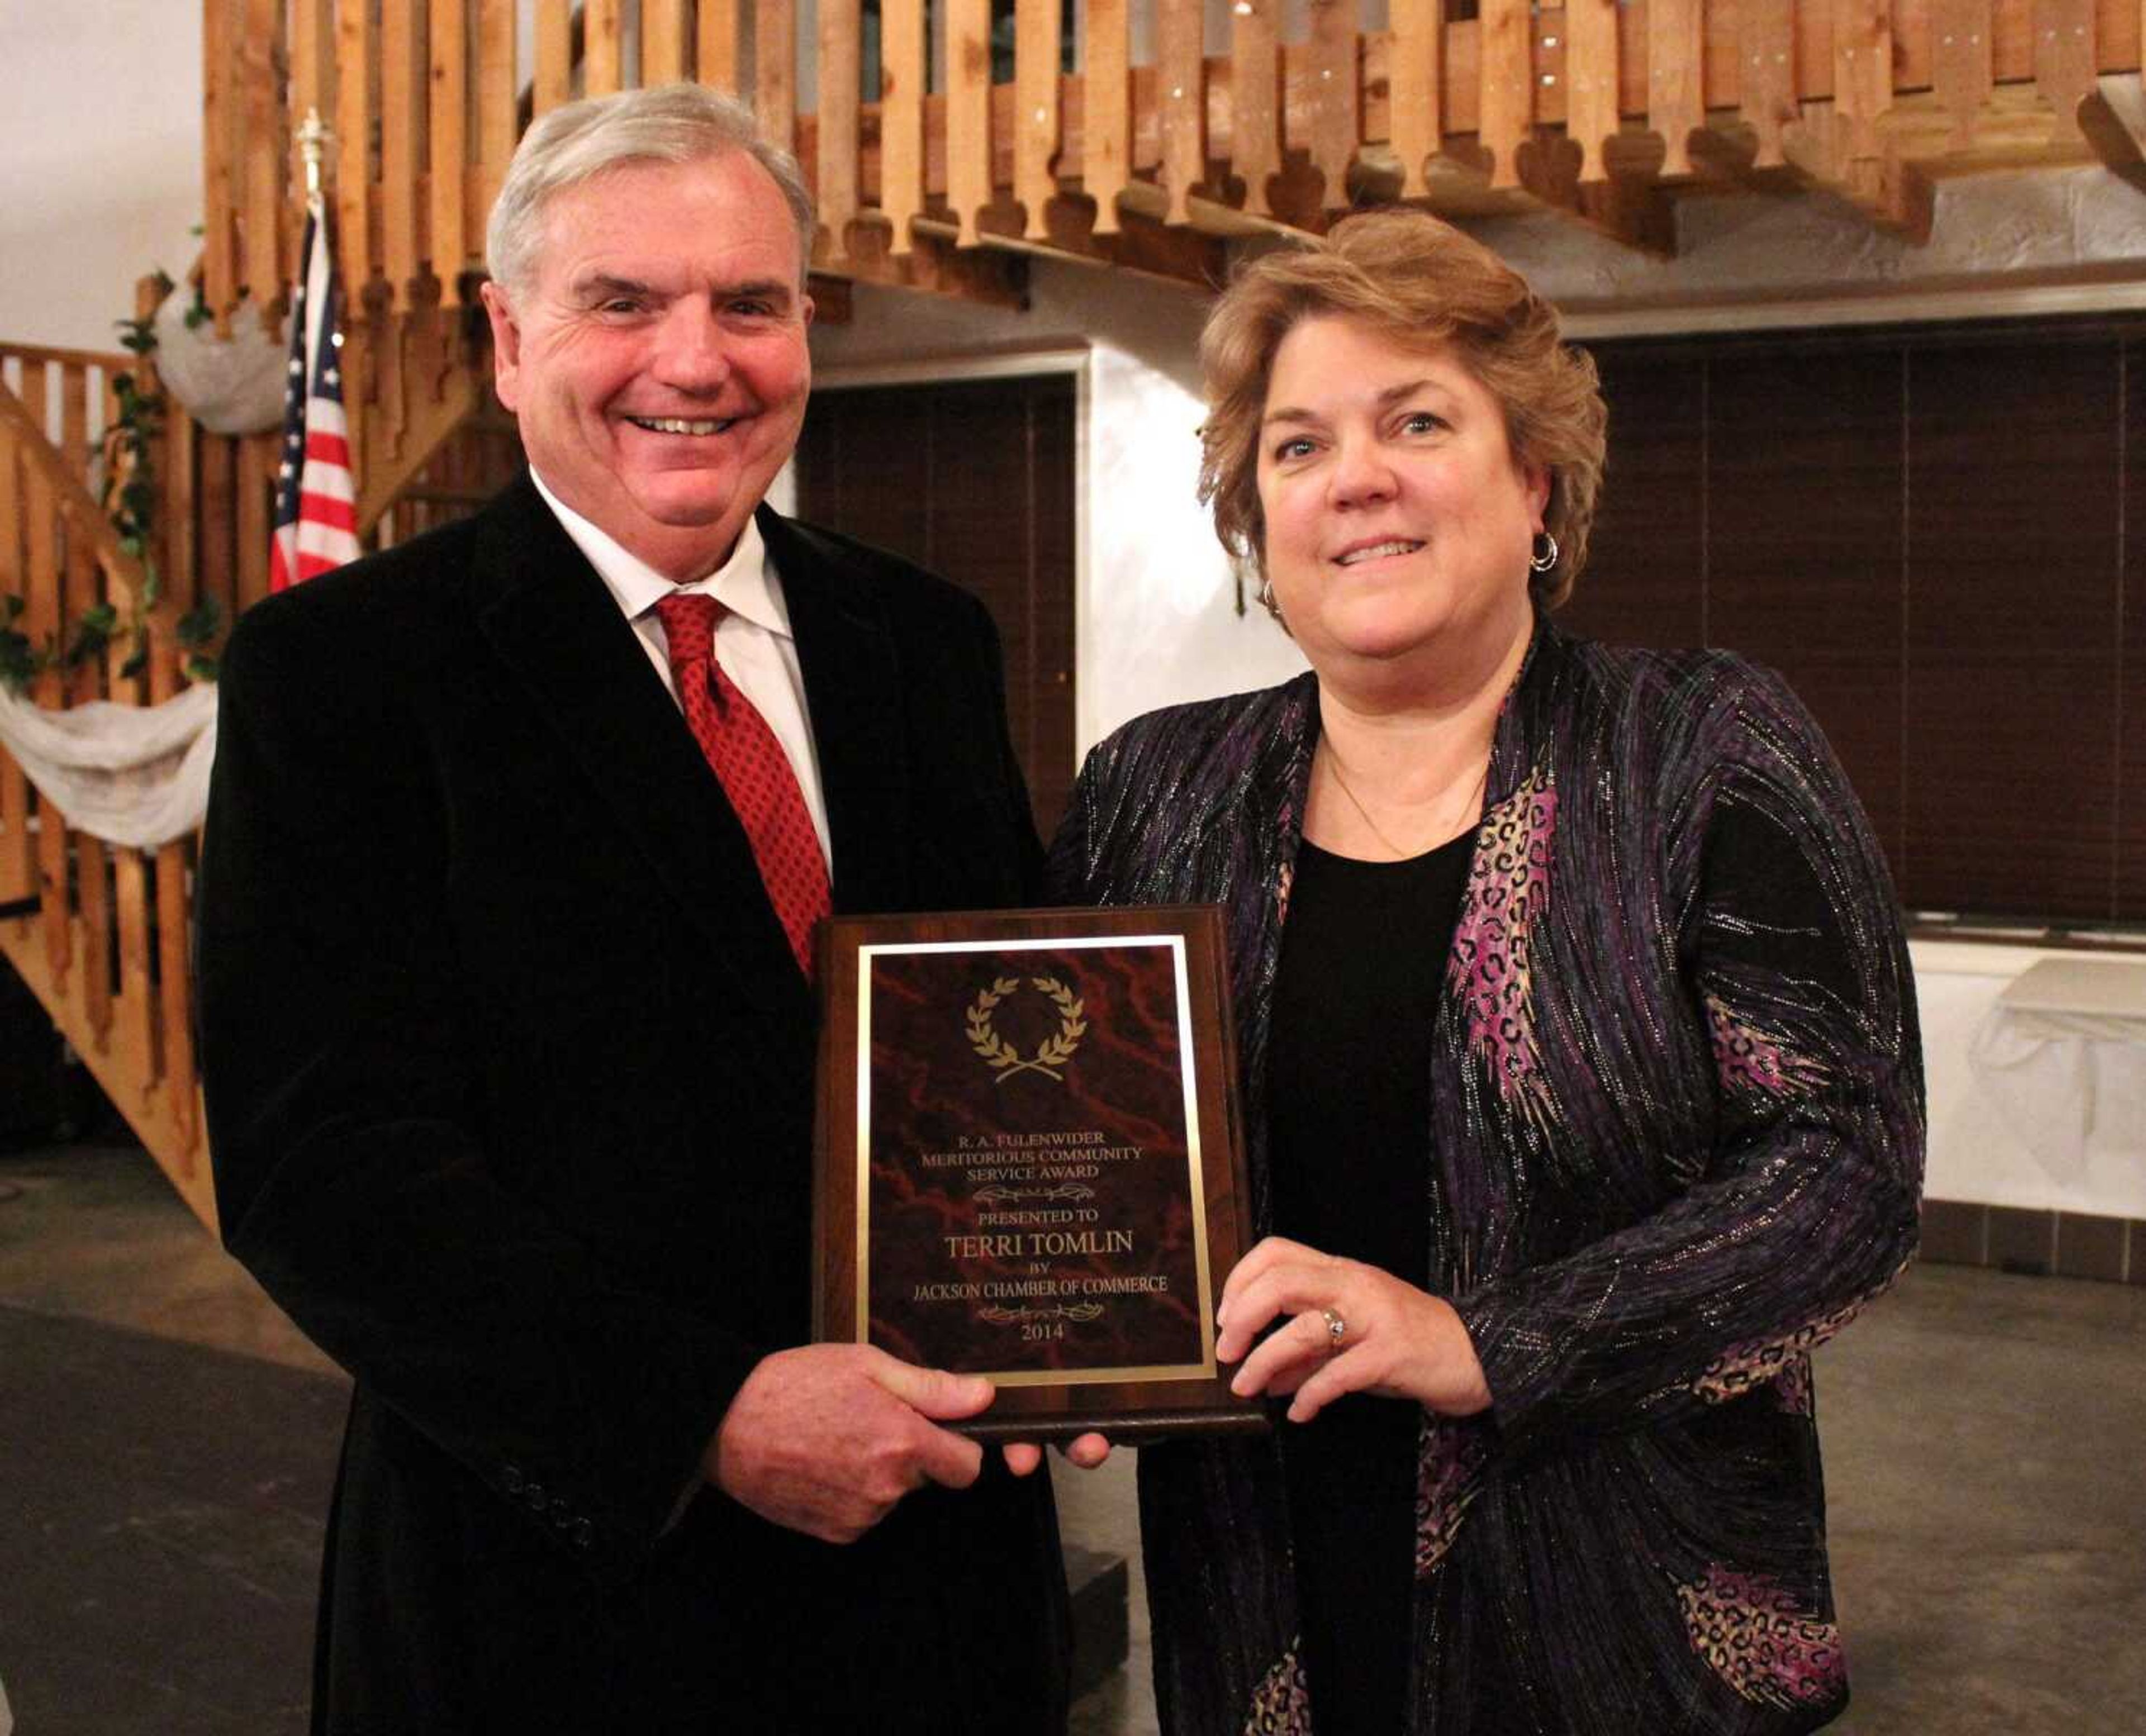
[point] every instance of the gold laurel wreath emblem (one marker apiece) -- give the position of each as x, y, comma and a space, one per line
1006, 1061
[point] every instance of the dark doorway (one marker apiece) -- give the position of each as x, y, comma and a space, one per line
973, 479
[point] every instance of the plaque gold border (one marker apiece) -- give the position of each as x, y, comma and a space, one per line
1205, 1368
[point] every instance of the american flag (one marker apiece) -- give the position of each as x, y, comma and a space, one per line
316, 500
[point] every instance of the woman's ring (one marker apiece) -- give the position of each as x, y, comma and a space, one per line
1337, 1329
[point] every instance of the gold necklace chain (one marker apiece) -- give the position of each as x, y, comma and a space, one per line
1340, 783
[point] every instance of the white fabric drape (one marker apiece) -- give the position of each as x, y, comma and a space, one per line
136, 776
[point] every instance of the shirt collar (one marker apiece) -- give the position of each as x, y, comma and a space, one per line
746, 584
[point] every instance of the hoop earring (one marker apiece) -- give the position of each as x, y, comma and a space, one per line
1266, 596
1544, 557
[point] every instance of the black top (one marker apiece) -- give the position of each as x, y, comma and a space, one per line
1363, 954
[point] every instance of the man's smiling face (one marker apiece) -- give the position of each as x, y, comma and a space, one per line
657, 361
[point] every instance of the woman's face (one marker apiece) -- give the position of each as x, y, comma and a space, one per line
1399, 523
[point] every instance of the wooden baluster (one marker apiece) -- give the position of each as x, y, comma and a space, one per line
901, 75
1107, 123
663, 41
775, 70
183, 496
1962, 49
1255, 95
1415, 77
1181, 98
264, 121
17, 876
219, 116
217, 570
312, 80
1506, 69
1767, 46
400, 47
968, 113
355, 43
1862, 88
84, 591
175, 998
256, 465
1334, 96
553, 83
1035, 135
1591, 76
603, 48
842, 74
496, 122
447, 144
715, 30
2064, 69
1676, 66
41, 621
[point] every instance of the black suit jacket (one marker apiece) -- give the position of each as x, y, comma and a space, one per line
509, 1069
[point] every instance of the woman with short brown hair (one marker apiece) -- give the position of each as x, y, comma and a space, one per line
1577, 1043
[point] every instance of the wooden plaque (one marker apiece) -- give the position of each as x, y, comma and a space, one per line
1030, 1163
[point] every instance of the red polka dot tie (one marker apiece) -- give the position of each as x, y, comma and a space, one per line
755, 772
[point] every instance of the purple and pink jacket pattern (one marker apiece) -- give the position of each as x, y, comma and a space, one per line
1676, 1143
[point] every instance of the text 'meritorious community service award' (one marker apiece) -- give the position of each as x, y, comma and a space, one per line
1030, 1164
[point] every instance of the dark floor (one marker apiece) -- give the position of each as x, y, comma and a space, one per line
166, 1443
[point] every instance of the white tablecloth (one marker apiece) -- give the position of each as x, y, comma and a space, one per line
2064, 1048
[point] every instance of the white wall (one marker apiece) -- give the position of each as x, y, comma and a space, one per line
100, 161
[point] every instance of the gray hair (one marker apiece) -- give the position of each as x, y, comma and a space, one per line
578, 141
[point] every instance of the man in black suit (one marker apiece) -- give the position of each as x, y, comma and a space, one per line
508, 1038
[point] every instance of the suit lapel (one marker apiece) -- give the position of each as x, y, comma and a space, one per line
557, 628
853, 691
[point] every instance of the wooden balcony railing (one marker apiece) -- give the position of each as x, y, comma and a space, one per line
1574, 109
100, 933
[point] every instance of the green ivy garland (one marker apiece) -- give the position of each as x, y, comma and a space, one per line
129, 502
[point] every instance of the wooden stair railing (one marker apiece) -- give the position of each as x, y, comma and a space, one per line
99, 933
1595, 109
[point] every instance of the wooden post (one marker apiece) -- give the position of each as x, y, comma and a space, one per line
2064, 69
968, 113
1181, 100
1963, 46
603, 48
17, 870
1766, 44
1591, 75
1506, 54
1107, 124
1676, 66
353, 125
400, 49
903, 63
1254, 99
264, 125
219, 111
1415, 76
553, 83
1335, 99
448, 146
716, 45
775, 70
663, 41
1035, 110
841, 95
496, 122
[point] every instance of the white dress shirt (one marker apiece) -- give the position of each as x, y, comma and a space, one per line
753, 641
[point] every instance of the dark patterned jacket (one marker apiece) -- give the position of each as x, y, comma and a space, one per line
1676, 1141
